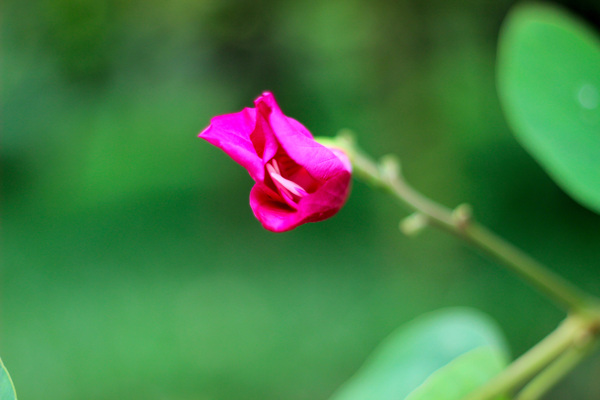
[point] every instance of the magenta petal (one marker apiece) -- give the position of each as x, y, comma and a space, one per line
320, 162
231, 133
273, 215
327, 200
264, 138
343, 158
298, 127
324, 203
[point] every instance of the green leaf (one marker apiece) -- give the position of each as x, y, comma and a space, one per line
7, 389
462, 375
549, 86
411, 354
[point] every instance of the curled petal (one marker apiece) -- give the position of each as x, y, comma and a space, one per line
273, 215
231, 133
319, 161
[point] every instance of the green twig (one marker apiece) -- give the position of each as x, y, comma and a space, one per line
560, 348
543, 382
386, 175
530, 363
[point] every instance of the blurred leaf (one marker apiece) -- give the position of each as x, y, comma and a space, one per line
7, 389
411, 354
461, 376
549, 86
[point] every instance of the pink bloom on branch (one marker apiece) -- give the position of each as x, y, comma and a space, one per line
297, 179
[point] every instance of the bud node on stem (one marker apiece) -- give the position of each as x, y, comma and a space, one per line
389, 166
462, 216
413, 224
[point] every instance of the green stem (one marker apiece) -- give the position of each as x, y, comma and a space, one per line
553, 285
459, 222
530, 363
560, 345
543, 382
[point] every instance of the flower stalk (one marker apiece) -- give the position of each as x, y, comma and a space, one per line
558, 342
460, 222
543, 382
558, 352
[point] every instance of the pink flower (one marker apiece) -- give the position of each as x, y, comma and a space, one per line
297, 179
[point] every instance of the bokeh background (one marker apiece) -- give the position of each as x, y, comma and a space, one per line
132, 266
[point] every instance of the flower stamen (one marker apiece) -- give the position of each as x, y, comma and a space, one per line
285, 186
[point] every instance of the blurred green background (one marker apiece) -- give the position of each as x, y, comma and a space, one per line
132, 266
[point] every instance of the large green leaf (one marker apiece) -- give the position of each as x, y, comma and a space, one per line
462, 375
410, 355
549, 87
7, 390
